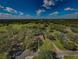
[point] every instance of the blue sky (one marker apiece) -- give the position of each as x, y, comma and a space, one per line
39, 8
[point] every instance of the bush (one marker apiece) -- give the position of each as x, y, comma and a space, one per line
46, 55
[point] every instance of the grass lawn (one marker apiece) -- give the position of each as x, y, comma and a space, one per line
70, 57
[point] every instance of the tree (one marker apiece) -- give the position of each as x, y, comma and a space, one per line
51, 37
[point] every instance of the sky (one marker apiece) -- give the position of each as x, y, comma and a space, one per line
49, 9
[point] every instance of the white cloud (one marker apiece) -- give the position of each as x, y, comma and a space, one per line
39, 11
59, 0
11, 10
54, 13
70, 9
1, 7
70, 16
48, 3
21, 13
76, 13
5, 14
66, 16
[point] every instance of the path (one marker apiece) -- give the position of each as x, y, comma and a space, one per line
27, 55
61, 54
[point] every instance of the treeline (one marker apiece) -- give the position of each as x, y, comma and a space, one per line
23, 21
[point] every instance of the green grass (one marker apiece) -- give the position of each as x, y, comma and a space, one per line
70, 57
59, 45
47, 46
3, 29
32, 28
57, 42
3, 56
45, 49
